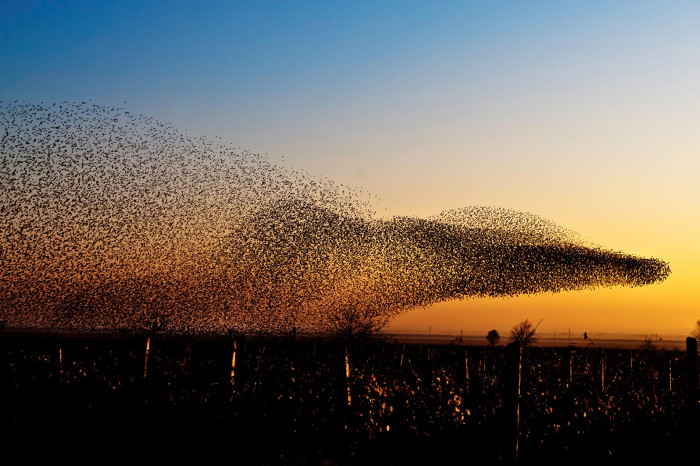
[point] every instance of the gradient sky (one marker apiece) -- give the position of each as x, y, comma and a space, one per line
585, 113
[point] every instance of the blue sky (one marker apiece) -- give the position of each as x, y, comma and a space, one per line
281, 61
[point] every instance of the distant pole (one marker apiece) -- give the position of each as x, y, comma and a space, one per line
347, 374
60, 359
691, 345
511, 401
233, 363
145, 360
602, 370
430, 339
188, 354
466, 366
571, 365
342, 389
569, 335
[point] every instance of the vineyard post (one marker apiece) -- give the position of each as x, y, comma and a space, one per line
691, 345
511, 401
341, 388
347, 375
188, 353
602, 369
631, 368
233, 367
145, 359
466, 368
60, 359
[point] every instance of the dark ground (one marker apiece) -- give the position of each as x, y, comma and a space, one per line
77, 400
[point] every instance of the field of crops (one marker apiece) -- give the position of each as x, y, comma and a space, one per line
320, 401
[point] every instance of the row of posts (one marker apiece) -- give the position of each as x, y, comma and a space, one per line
512, 384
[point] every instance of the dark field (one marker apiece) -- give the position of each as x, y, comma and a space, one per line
86, 401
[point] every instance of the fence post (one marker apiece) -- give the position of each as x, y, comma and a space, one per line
188, 353
145, 359
466, 368
233, 366
602, 369
691, 345
347, 376
341, 388
60, 359
511, 401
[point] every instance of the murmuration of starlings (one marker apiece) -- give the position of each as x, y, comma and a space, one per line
110, 220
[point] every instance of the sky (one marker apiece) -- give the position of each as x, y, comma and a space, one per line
584, 113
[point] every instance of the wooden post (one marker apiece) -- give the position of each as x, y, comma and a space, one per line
511, 401
145, 360
347, 375
60, 359
602, 370
341, 389
466, 367
233, 364
188, 354
691, 346
631, 381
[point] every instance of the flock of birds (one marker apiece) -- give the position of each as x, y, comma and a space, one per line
110, 220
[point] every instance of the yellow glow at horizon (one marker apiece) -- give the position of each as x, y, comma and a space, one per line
636, 193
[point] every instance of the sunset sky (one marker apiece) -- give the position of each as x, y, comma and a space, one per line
584, 113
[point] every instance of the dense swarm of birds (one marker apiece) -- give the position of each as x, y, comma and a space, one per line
110, 220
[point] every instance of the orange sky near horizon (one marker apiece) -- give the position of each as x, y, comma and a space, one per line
669, 308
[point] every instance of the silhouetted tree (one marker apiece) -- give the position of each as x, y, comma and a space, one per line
357, 321
524, 333
493, 337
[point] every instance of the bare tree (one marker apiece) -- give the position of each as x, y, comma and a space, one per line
358, 320
695, 333
493, 337
525, 333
